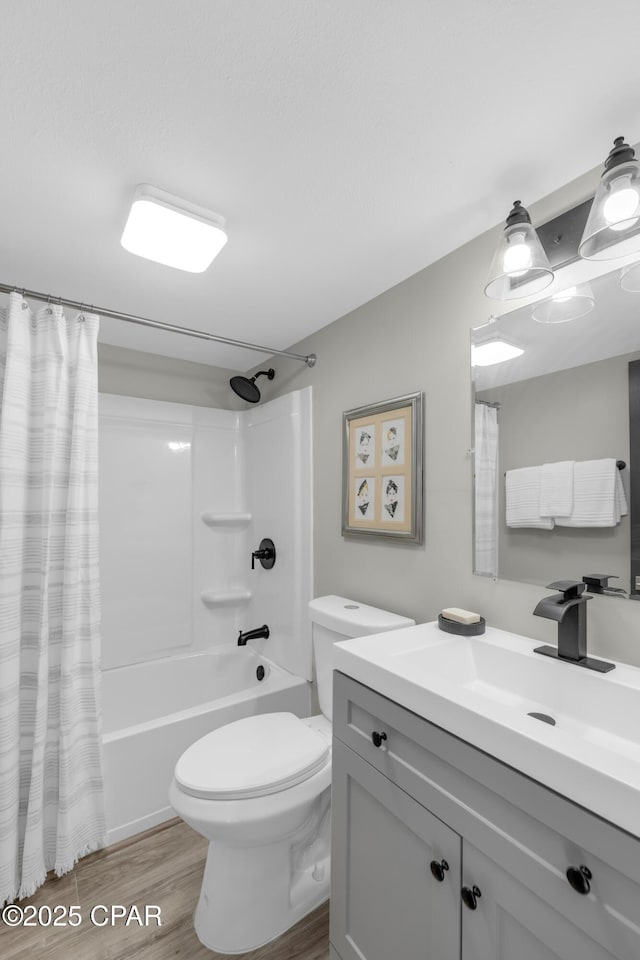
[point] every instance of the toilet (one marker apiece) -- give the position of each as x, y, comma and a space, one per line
259, 790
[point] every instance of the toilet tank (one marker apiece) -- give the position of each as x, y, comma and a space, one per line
337, 618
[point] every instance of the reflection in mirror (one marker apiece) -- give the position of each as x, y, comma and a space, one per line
551, 423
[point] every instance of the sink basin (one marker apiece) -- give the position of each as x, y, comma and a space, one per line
575, 731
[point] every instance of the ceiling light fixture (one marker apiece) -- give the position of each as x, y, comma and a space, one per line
569, 304
493, 351
172, 231
613, 227
520, 267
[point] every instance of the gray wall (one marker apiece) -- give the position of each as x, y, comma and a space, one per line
416, 337
133, 373
576, 414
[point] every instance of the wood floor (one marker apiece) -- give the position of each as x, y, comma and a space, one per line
162, 867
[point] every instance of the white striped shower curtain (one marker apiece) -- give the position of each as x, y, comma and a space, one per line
51, 788
485, 560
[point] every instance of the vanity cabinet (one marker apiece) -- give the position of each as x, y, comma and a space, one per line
387, 895
414, 796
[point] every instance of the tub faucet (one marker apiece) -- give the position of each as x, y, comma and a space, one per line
255, 634
569, 608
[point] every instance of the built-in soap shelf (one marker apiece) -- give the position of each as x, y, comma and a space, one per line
230, 519
225, 598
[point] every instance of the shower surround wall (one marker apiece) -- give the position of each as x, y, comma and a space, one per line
186, 494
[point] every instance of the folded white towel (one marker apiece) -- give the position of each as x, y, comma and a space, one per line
598, 495
556, 489
522, 499
621, 500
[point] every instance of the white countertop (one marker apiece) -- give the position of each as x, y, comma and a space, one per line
482, 689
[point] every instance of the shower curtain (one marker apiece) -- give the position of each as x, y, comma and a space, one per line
51, 789
486, 490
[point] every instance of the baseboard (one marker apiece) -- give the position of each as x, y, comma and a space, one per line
141, 825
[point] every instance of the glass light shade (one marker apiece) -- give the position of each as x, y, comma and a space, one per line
570, 304
493, 351
630, 279
613, 226
520, 266
172, 231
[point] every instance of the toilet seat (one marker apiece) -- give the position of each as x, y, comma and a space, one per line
252, 757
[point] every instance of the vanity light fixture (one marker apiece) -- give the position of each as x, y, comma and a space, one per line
613, 226
569, 304
630, 278
493, 351
520, 266
172, 231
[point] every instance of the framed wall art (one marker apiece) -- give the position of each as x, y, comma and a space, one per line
382, 466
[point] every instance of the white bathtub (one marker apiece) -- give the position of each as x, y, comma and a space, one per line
153, 711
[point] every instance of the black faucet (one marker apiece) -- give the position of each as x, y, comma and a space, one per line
255, 634
569, 608
599, 583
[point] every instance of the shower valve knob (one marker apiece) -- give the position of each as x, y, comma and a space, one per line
266, 554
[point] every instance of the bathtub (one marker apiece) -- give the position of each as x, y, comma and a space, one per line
151, 712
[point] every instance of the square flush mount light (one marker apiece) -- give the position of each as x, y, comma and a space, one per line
493, 351
172, 231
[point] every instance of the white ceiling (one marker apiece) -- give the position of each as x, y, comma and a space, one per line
348, 144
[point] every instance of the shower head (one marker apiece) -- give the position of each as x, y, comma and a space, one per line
246, 388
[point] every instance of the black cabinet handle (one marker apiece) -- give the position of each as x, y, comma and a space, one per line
438, 869
579, 878
470, 896
377, 738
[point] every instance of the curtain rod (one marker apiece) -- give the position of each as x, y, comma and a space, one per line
310, 360
489, 403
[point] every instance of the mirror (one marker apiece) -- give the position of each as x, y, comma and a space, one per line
564, 399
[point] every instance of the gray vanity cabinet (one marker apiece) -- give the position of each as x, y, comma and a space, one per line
514, 924
413, 795
383, 891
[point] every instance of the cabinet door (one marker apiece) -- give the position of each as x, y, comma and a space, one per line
511, 923
386, 904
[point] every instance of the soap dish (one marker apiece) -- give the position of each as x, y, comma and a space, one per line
462, 629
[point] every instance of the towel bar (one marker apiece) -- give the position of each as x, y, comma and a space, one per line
620, 464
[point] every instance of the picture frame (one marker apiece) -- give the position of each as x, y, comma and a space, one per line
382, 470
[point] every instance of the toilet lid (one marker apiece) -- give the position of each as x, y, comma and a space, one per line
252, 757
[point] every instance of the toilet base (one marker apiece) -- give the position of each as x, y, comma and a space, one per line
251, 895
